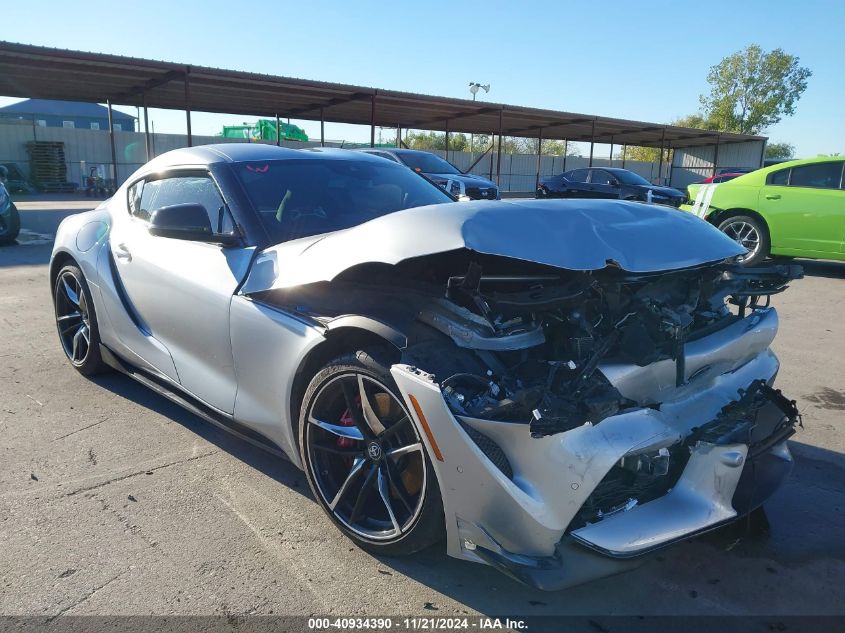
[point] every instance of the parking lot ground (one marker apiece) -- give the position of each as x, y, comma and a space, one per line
115, 501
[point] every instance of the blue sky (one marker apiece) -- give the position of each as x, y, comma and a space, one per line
642, 60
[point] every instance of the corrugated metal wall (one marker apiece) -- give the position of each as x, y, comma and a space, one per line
696, 163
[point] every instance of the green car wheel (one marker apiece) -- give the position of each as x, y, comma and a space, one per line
750, 233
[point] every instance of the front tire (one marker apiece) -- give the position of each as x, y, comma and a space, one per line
751, 233
364, 459
76, 321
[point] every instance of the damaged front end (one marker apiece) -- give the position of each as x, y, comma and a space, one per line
578, 419
612, 413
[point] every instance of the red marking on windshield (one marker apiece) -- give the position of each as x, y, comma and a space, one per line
259, 170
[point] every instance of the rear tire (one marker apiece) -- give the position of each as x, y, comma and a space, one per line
76, 321
364, 459
751, 233
10, 225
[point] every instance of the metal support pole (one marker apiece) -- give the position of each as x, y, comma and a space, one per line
624, 151
716, 154
499, 152
670, 156
146, 129
592, 142
373, 121
660, 164
539, 156
111, 140
565, 151
278, 130
398, 136
188, 105
763, 153
611, 151
322, 129
492, 146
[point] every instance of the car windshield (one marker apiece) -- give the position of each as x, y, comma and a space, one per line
428, 163
630, 178
299, 198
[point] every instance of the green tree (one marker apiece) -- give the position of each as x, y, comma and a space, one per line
695, 120
645, 154
751, 89
557, 148
652, 154
780, 150
436, 140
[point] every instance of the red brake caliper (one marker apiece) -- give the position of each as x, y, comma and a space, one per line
347, 420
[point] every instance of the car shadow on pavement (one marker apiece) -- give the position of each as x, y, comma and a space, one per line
822, 268
275, 467
802, 524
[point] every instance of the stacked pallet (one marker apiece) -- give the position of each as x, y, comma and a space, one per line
48, 169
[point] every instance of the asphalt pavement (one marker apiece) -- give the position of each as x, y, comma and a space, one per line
115, 501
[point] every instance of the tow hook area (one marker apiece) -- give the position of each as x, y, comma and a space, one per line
761, 418
736, 461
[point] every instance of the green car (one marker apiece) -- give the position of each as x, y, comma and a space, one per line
793, 209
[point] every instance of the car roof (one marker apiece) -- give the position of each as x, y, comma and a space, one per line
206, 155
396, 150
803, 161
246, 152
765, 171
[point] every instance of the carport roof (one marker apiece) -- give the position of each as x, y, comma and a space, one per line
50, 73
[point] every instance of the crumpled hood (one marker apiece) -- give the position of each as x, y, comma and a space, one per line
568, 234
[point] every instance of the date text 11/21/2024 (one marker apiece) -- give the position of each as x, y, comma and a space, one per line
417, 623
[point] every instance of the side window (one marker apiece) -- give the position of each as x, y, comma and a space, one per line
134, 201
194, 189
599, 177
578, 175
818, 176
778, 177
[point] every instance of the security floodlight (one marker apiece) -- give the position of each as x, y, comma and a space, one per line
474, 86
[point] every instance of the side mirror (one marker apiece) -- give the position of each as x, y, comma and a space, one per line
186, 222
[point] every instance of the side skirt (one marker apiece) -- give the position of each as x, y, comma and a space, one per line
165, 388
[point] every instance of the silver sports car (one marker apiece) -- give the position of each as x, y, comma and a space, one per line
558, 387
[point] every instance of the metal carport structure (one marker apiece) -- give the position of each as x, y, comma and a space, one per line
41, 72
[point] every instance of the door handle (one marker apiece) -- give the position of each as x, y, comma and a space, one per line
772, 196
122, 252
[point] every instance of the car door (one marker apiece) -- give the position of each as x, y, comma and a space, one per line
577, 185
602, 184
180, 289
805, 208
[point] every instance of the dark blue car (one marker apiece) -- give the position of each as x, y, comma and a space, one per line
607, 182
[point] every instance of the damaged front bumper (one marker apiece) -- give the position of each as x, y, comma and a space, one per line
553, 511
